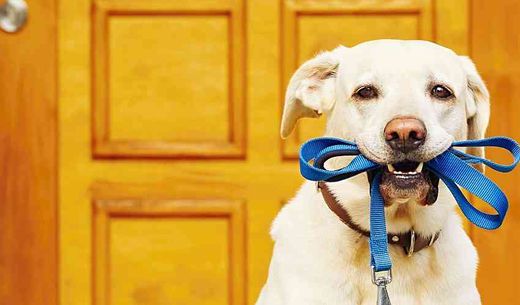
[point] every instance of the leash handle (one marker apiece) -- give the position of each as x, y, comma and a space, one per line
454, 173
499, 142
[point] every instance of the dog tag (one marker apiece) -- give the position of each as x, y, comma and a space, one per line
382, 295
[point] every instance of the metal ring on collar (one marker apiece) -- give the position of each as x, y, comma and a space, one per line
411, 248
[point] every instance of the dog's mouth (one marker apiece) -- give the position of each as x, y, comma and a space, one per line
409, 180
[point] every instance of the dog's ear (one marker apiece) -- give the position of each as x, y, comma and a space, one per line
311, 90
477, 105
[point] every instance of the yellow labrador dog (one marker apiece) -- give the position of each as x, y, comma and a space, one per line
403, 103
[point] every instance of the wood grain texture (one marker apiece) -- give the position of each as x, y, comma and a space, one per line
169, 251
260, 179
495, 28
156, 173
176, 92
28, 170
136, 71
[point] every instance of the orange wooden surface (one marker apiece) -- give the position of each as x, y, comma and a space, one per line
168, 143
496, 50
28, 160
156, 180
180, 107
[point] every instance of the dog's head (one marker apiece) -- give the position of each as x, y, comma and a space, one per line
402, 102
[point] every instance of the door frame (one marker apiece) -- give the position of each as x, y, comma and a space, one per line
28, 152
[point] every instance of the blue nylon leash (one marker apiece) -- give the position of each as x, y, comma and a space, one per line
453, 167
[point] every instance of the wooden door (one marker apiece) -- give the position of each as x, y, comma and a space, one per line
171, 166
154, 124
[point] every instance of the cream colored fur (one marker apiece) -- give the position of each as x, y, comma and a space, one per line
319, 260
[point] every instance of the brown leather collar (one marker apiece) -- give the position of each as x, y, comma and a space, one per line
409, 241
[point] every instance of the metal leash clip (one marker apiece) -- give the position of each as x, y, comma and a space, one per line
381, 280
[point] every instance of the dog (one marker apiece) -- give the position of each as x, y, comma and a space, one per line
403, 102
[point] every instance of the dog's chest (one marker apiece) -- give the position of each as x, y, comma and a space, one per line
318, 260
342, 275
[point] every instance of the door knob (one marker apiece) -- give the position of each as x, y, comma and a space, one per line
13, 15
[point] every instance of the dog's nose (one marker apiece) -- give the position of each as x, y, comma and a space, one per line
405, 134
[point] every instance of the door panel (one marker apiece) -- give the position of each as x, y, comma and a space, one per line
190, 59
168, 251
180, 87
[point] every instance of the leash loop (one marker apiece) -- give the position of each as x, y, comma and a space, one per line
453, 167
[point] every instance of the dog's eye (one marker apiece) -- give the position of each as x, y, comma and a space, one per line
366, 92
441, 92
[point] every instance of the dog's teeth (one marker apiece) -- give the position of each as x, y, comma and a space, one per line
419, 167
398, 172
391, 168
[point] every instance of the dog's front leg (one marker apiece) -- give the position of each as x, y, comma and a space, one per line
291, 285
